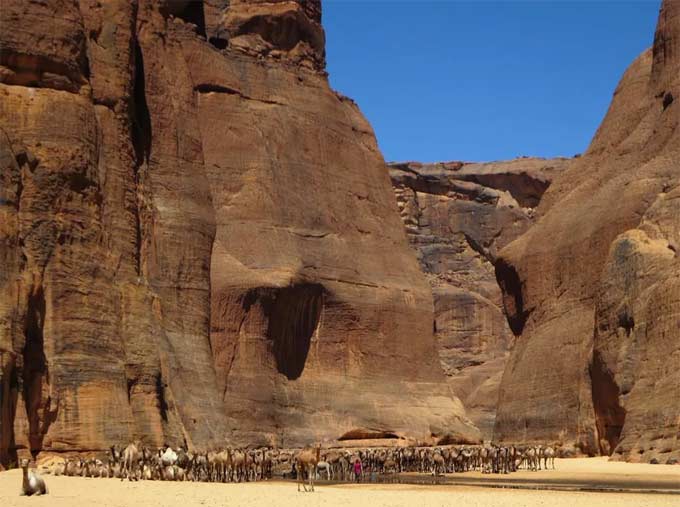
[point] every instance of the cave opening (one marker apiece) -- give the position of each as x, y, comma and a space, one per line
294, 315
667, 100
513, 301
34, 370
219, 42
609, 414
193, 13
190, 11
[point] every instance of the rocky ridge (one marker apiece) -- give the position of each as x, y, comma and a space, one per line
592, 289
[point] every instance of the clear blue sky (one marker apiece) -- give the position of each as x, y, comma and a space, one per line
482, 80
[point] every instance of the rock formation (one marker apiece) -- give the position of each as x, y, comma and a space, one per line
593, 289
457, 216
198, 238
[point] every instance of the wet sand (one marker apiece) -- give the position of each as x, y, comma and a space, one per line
76, 491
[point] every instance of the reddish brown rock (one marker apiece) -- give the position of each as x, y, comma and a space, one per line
457, 216
592, 288
199, 241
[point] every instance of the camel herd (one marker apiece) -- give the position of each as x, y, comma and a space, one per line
338, 464
137, 462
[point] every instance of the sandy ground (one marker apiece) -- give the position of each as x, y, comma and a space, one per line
74, 491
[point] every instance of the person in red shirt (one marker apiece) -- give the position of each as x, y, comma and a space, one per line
357, 470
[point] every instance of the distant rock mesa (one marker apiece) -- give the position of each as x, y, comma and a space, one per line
458, 216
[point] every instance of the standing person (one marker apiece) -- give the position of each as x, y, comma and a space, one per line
357, 470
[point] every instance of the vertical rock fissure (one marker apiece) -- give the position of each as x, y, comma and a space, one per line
141, 141
35, 371
293, 319
609, 414
161, 398
9, 386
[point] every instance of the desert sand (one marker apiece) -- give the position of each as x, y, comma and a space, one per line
74, 491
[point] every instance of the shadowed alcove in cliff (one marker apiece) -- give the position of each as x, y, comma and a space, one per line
35, 369
513, 301
8, 404
609, 414
294, 314
190, 11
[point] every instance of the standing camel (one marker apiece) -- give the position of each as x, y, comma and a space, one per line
549, 456
131, 458
306, 461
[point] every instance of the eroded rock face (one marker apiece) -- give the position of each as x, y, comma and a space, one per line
198, 243
593, 286
457, 216
286, 30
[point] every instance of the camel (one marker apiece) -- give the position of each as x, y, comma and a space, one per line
116, 453
131, 458
238, 461
306, 461
438, 465
343, 465
32, 483
200, 466
503, 461
267, 461
549, 456
147, 474
59, 468
222, 465
259, 458
180, 473
324, 465
168, 473
333, 459
169, 457
390, 466
531, 459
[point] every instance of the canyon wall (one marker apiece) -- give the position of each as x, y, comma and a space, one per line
457, 217
198, 237
593, 288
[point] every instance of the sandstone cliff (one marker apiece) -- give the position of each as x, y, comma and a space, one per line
198, 238
593, 289
457, 216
